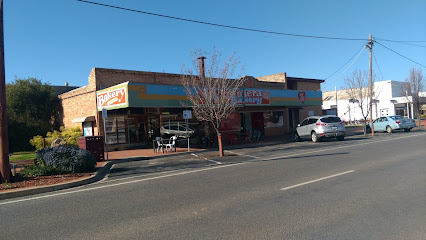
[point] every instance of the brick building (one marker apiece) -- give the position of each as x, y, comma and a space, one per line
145, 101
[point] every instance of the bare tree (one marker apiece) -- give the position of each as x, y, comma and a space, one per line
213, 90
357, 87
413, 89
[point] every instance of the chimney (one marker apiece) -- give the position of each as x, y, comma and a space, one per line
201, 66
66, 84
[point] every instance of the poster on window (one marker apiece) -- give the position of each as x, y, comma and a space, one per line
87, 129
274, 119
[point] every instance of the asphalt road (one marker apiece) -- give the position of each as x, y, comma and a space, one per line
361, 188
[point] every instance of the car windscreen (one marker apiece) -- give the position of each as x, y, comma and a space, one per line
330, 119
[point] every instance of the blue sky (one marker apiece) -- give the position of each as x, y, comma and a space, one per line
60, 41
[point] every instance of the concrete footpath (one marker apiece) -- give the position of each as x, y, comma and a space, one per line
118, 157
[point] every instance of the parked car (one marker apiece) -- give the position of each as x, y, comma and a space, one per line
175, 129
317, 127
392, 123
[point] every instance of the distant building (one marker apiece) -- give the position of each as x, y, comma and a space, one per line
389, 99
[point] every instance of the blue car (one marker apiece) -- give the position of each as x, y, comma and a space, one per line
392, 123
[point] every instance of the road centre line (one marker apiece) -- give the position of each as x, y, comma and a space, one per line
198, 170
317, 180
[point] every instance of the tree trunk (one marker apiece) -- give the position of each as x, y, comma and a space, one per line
364, 126
219, 141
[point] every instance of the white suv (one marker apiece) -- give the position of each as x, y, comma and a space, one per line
317, 127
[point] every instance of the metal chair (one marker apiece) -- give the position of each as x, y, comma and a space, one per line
160, 144
171, 144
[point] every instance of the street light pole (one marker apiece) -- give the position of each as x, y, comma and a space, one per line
5, 173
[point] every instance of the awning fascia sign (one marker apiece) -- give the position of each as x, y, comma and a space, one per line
114, 97
157, 95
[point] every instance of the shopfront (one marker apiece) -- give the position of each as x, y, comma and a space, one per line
138, 112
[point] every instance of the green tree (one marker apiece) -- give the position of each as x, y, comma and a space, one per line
31, 111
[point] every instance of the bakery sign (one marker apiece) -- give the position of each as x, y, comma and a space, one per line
253, 97
112, 98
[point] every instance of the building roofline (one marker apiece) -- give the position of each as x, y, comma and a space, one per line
305, 79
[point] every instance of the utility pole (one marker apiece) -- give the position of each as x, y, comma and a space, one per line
335, 91
5, 173
370, 47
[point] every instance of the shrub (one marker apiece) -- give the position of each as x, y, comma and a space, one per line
41, 170
67, 157
69, 135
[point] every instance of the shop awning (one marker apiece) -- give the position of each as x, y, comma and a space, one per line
84, 119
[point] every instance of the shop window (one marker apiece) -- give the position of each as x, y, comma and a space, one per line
274, 119
116, 130
232, 123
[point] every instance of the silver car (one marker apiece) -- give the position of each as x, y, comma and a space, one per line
176, 129
317, 127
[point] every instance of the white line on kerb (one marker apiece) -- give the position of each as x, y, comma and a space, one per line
316, 180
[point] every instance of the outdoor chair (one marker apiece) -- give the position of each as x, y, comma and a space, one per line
171, 144
160, 144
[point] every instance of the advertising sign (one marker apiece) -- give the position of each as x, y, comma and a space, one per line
301, 96
112, 98
187, 114
253, 97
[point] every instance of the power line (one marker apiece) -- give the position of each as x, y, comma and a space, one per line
403, 42
400, 54
222, 25
345, 63
375, 60
362, 49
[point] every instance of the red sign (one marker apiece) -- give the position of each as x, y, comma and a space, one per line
302, 96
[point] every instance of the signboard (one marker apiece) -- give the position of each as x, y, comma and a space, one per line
104, 113
112, 98
187, 114
301, 96
253, 97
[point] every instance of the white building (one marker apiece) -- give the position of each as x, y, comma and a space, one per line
389, 100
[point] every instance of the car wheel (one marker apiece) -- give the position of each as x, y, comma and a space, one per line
389, 129
340, 138
407, 129
297, 137
314, 137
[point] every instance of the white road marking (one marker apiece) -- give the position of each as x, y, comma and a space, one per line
242, 154
218, 163
316, 180
106, 176
205, 169
123, 183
